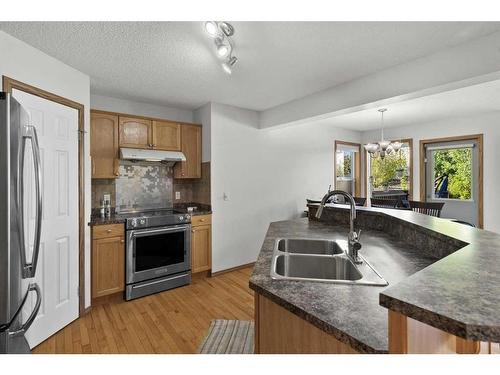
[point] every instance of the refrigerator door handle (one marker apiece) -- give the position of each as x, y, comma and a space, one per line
29, 268
22, 330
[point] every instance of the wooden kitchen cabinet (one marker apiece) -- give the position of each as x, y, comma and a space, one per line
104, 145
191, 148
108, 260
166, 136
201, 244
135, 132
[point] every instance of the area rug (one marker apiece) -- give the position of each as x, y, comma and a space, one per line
228, 337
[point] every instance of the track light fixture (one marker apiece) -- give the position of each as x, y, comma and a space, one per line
222, 32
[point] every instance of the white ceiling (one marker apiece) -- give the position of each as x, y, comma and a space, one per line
173, 63
468, 101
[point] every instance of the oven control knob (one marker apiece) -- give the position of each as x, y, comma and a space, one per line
133, 223
188, 217
181, 218
142, 221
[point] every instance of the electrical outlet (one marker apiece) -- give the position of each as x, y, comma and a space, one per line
177, 195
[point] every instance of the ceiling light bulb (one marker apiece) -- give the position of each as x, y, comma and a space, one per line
222, 48
396, 146
227, 68
212, 28
228, 65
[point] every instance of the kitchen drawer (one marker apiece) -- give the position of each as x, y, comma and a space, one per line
201, 220
106, 231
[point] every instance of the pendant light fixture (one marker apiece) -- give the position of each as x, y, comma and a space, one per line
383, 147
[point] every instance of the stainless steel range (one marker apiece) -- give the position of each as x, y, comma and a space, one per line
158, 252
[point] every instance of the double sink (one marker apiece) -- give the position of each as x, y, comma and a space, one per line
320, 260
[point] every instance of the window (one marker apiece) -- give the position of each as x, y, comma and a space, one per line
393, 173
452, 173
348, 167
345, 166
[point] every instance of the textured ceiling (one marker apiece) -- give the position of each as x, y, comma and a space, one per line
468, 101
173, 63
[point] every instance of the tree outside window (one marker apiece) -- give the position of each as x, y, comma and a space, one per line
392, 172
344, 164
456, 165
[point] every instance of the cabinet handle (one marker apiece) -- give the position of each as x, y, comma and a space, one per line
192, 230
122, 241
108, 230
202, 219
117, 174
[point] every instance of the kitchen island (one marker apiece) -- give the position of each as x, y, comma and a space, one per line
442, 294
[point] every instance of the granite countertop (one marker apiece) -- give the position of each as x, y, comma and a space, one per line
350, 312
460, 293
201, 209
113, 219
117, 218
456, 290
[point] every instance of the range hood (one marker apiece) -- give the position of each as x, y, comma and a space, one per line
137, 154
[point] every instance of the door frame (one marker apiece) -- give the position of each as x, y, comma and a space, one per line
410, 167
359, 165
8, 85
478, 138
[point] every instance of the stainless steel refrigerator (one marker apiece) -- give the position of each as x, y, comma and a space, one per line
18, 138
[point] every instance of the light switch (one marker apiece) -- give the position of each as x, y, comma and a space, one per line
225, 197
177, 195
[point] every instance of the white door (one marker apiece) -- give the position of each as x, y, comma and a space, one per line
57, 268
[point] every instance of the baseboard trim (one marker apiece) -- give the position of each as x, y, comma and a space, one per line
233, 269
86, 310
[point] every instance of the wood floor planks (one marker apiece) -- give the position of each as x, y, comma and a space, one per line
174, 321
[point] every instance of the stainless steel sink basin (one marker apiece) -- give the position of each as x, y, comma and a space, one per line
320, 260
308, 267
310, 246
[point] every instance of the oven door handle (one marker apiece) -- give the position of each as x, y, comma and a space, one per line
160, 230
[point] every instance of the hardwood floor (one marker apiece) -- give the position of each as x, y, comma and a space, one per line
174, 321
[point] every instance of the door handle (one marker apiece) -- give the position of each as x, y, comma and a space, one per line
22, 330
29, 268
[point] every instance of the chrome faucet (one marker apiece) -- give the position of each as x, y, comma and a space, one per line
353, 237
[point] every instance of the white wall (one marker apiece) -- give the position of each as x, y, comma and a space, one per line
29, 65
487, 124
267, 175
107, 103
203, 116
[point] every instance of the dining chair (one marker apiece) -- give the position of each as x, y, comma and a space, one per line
360, 201
427, 208
384, 203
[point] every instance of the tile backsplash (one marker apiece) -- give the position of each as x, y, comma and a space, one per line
143, 186
194, 190
101, 187
150, 185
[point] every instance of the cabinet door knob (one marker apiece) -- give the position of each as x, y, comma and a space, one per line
202, 219
192, 230
122, 241
154, 145
117, 174
109, 230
